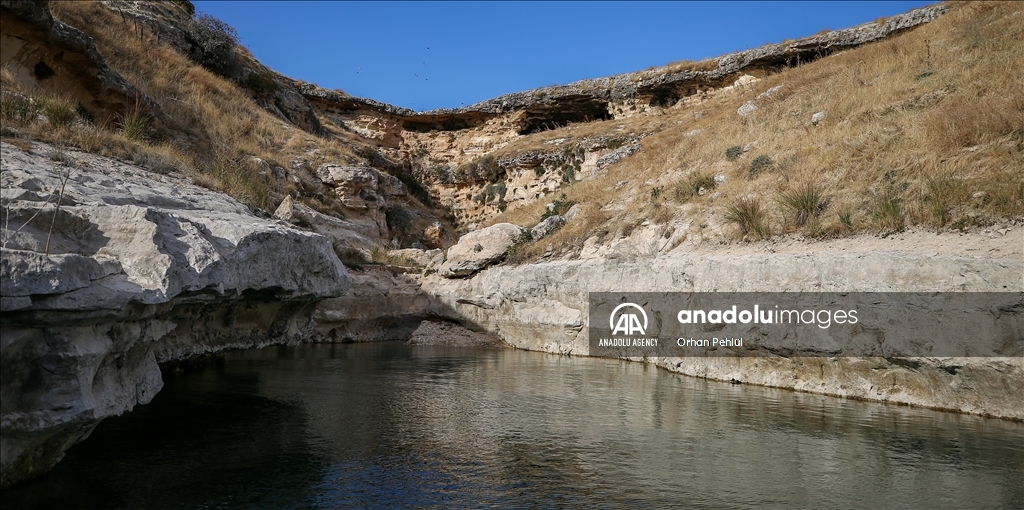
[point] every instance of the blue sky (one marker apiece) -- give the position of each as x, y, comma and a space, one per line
425, 55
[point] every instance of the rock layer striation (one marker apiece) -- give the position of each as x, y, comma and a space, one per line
134, 269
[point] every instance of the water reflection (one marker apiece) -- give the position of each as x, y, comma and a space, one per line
390, 425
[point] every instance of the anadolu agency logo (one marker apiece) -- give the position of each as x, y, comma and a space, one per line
628, 323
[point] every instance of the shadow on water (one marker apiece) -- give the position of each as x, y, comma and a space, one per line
386, 424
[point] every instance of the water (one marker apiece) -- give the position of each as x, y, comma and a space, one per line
384, 425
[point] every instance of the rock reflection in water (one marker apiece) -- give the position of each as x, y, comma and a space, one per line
388, 424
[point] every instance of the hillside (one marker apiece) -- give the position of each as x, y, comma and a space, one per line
912, 121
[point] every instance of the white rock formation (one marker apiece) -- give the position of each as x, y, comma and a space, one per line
543, 306
478, 249
142, 268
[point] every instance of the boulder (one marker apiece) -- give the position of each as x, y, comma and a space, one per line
432, 235
413, 256
549, 225
573, 212
478, 249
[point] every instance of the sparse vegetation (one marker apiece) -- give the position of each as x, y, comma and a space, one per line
805, 202
378, 254
134, 124
760, 164
213, 45
888, 209
693, 185
352, 257
58, 110
750, 217
955, 135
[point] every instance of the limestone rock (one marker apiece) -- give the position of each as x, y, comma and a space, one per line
413, 256
573, 212
549, 225
432, 235
357, 232
478, 249
617, 155
142, 268
380, 305
817, 118
542, 306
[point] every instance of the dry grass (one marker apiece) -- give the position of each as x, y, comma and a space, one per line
217, 127
925, 128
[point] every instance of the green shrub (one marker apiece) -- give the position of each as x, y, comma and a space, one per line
569, 174
748, 215
16, 107
805, 202
135, 123
378, 255
213, 45
759, 164
562, 206
398, 219
59, 112
888, 209
846, 218
352, 257
733, 152
691, 186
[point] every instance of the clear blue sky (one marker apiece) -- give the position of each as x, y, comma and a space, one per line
425, 55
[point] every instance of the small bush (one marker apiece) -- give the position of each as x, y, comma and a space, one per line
134, 124
748, 215
562, 206
759, 164
693, 184
539, 170
378, 255
60, 112
942, 194
352, 257
888, 209
213, 45
16, 107
656, 193
846, 218
569, 174
733, 152
398, 219
805, 202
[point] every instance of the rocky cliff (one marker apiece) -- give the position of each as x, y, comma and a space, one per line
543, 306
108, 270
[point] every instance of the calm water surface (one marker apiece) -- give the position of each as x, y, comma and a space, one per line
384, 425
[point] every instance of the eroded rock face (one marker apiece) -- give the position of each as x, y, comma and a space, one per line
364, 191
478, 249
141, 269
46, 53
378, 306
543, 307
